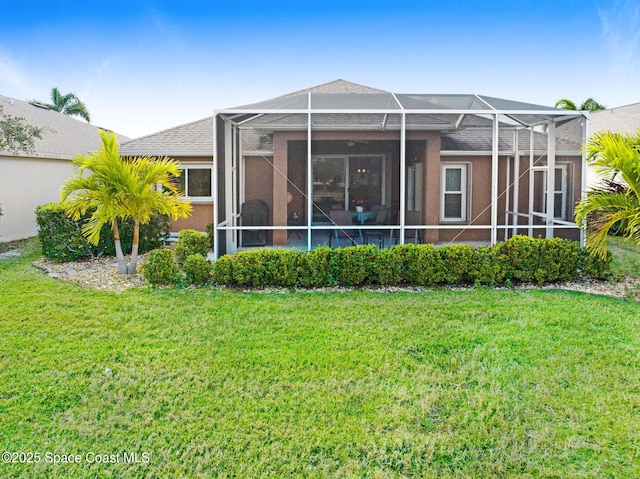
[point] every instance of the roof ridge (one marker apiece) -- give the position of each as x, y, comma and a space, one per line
321, 85
169, 129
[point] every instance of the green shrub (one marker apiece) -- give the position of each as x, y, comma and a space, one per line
222, 270
210, 233
264, 267
595, 266
355, 265
197, 269
520, 259
315, 268
62, 239
152, 235
455, 263
422, 265
387, 267
540, 260
191, 242
487, 266
161, 268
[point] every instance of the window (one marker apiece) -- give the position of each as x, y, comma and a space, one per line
195, 182
453, 204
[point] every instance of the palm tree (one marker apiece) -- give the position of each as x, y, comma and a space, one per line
589, 105
68, 104
617, 201
118, 188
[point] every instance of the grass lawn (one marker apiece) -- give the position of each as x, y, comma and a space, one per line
464, 384
626, 257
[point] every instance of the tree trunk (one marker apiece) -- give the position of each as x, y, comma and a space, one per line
134, 248
122, 266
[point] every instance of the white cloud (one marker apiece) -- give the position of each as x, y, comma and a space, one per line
621, 35
14, 80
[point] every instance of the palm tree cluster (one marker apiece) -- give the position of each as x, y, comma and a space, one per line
117, 188
588, 105
68, 104
616, 202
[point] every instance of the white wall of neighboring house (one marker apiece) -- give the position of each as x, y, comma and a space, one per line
26, 183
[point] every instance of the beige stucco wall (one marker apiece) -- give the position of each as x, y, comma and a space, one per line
26, 183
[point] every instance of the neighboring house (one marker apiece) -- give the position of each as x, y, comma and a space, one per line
623, 119
31, 179
457, 168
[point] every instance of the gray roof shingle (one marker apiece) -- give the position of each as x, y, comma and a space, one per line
191, 139
63, 137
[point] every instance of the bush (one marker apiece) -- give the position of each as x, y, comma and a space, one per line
191, 242
161, 268
315, 268
62, 239
520, 259
197, 269
487, 266
210, 233
264, 267
355, 265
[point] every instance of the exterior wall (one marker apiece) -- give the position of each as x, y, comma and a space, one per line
202, 208
202, 215
26, 183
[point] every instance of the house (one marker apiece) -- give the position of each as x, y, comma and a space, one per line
28, 180
454, 168
623, 119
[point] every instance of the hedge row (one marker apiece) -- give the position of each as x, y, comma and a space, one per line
62, 239
521, 259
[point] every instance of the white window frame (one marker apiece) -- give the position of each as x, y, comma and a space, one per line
463, 192
184, 168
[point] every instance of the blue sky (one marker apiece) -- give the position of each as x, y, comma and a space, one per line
143, 66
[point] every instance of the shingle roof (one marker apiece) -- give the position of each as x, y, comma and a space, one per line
196, 138
191, 139
623, 119
63, 137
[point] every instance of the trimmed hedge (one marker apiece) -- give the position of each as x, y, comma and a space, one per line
521, 259
62, 239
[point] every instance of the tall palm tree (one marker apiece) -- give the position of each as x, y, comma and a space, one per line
68, 104
118, 188
589, 105
617, 158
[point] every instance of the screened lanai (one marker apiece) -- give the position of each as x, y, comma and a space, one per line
316, 168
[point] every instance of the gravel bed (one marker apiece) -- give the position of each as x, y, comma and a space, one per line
102, 274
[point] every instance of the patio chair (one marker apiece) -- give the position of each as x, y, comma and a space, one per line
410, 234
380, 219
343, 218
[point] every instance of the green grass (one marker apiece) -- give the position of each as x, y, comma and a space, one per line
464, 384
626, 256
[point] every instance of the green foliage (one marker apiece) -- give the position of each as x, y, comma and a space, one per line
355, 265
16, 134
211, 234
521, 259
68, 104
197, 269
540, 260
263, 267
616, 204
488, 266
62, 239
116, 188
161, 268
191, 242
315, 268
